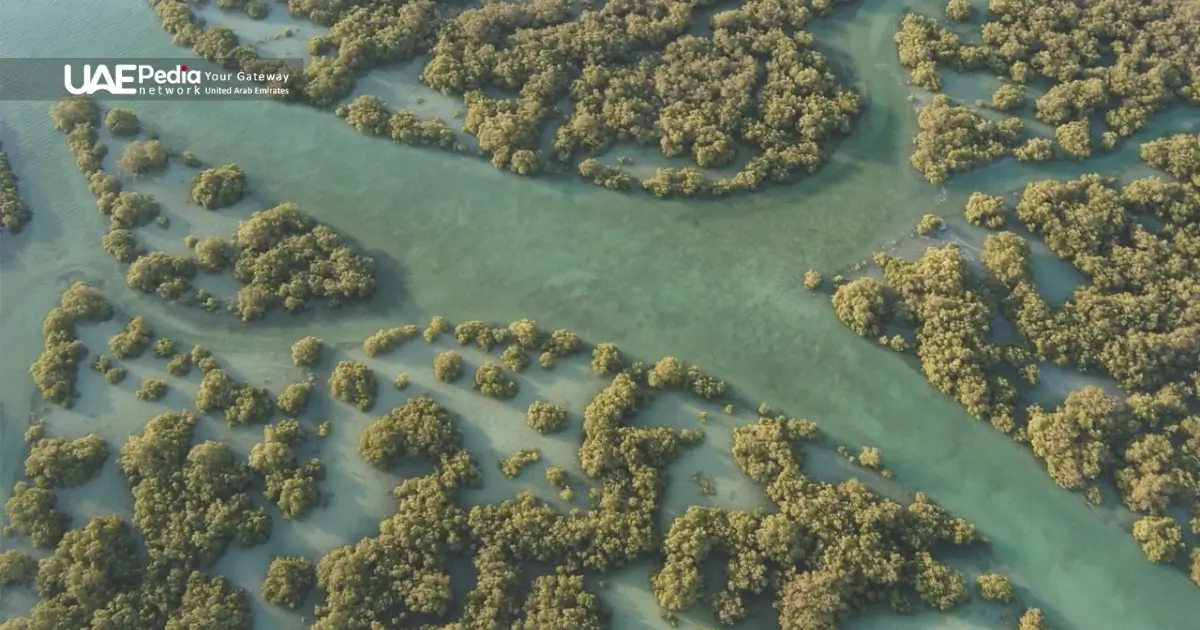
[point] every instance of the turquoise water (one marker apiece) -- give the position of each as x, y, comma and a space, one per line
716, 283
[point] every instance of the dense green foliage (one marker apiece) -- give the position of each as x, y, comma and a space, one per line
289, 580
218, 187
152, 389
545, 417
631, 72
289, 484
512, 466
280, 256
32, 511
994, 587
142, 157
386, 339
293, 400
55, 370
190, 502
354, 383
122, 121
16, 568
285, 258
953, 138
491, 380
58, 463
447, 366
241, 404
1134, 320
306, 352
14, 213
1121, 61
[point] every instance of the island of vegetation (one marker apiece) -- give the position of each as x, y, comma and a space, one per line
195, 500
1112, 65
1133, 321
751, 94
14, 214
280, 256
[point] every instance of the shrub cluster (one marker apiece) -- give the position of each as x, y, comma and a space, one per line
14, 213
290, 485
218, 187
354, 383
55, 370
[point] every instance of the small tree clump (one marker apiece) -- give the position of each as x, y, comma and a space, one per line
142, 157
525, 334
437, 326
556, 477
152, 390
1008, 97
289, 581
122, 121
163, 348
1032, 619
479, 332
870, 457
512, 466
546, 418
58, 463
515, 358
121, 244
861, 306
218, 187
929, 225
491, 381
16, 567
547, 359
1075, 138
179, 365
307, 352
1161, 537
354, 383
213, 254
994, 587
988, 211
812, 279
1035, 151
133, 340
386, 339
562, 343
56, 369
401, 381
293, 400
447, 366
289, 484
32, 512
958, 10
606, 359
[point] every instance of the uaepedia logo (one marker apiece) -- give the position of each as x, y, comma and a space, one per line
132, 79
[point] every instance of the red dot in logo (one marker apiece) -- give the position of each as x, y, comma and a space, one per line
183, 68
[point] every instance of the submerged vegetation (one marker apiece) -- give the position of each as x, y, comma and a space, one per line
754, 92
1133, 321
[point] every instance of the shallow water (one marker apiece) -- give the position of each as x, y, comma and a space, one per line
716, 283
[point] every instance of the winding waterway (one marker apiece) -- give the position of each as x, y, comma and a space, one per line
716, 283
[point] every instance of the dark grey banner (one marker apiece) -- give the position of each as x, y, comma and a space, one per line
147, 79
